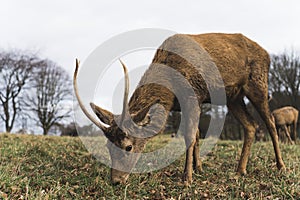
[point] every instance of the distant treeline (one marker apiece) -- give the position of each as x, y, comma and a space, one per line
37, 92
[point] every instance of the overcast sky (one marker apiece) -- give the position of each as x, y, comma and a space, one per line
63, 30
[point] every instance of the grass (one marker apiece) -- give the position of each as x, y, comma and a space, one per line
38, 167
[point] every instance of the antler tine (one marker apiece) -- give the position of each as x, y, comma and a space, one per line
94, 120
126, 91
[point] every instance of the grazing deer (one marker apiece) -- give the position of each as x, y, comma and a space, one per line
259, 135
285, 117
244, 67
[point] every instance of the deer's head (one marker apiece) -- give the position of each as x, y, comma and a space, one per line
126, 139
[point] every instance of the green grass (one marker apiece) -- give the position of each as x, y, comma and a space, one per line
37, 167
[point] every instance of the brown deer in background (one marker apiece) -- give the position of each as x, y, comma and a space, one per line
244, 67
286, 117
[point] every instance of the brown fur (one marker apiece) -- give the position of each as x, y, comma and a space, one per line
244, 67
285, 117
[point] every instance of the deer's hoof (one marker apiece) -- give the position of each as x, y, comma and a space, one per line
281, 167
241, 172
187, 180
198, 169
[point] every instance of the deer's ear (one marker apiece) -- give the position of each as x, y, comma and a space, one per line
104, 115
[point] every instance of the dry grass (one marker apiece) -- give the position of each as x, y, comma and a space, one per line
37, 167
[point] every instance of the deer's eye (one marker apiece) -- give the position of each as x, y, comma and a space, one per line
128, 148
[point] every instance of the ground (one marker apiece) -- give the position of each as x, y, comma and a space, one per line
38, 167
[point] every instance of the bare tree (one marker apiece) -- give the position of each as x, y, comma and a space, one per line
48, 99
15, 70
285, 78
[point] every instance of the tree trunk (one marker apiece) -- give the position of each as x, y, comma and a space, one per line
45, 131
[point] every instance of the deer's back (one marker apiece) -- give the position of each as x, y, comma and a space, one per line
238, 60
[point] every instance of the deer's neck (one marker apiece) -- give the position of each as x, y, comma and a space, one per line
148, 95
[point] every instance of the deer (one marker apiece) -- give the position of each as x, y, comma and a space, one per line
243, 66
286, 117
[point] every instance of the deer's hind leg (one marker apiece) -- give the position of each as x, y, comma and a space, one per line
258, 95
239, 110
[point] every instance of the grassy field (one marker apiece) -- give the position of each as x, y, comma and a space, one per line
37, 167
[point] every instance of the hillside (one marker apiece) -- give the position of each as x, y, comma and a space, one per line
37, 167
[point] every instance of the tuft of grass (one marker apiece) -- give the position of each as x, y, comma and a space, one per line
39, 167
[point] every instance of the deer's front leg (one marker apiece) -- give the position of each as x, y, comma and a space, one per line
287, 134
188, 169
191, 113
197, 164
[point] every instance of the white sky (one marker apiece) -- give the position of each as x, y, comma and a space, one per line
63, 30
